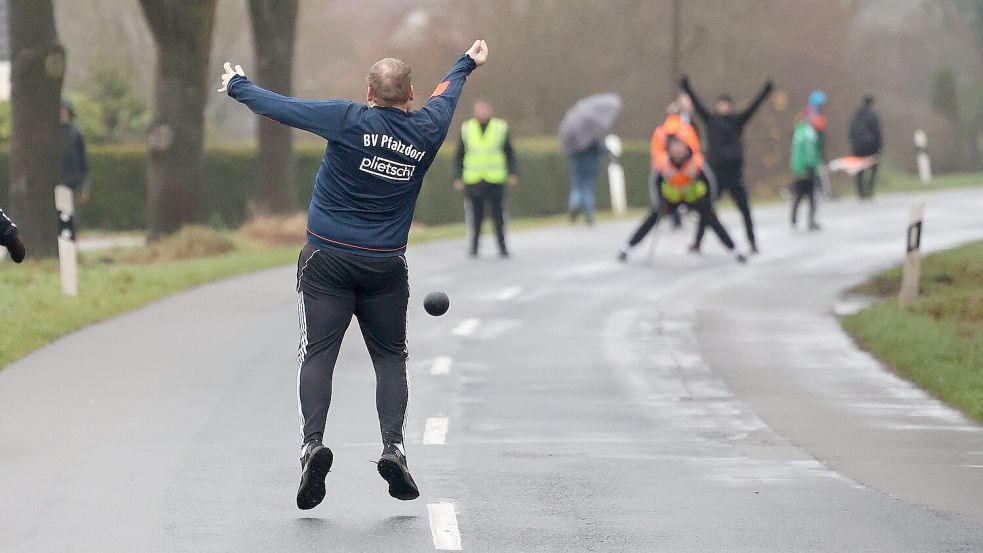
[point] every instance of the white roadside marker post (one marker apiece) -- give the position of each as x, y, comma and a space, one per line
924, 162
67, 248
913, 260
616, 175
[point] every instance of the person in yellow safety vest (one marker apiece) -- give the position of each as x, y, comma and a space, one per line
484, 165
684, 184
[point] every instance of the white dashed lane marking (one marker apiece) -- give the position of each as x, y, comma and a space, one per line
443, 527
435, 432
509, 293
441, 366
466, 327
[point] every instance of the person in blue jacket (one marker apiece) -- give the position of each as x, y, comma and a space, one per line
365, 193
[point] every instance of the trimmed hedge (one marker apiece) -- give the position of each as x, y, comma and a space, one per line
119, 188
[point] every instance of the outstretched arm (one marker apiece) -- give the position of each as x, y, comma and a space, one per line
442, 103
697, 104
324, 118
749, 111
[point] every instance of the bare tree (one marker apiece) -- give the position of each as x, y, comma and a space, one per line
182, 30
274, 24
38, 68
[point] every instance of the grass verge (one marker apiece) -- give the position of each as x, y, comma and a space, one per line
938, 342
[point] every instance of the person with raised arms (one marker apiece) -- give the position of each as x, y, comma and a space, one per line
365, 193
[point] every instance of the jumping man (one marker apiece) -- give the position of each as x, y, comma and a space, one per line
365, 193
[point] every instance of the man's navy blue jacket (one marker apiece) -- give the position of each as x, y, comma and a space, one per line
366, 188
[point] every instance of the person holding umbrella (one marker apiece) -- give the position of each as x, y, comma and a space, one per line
585, 169
10, 240
581, 133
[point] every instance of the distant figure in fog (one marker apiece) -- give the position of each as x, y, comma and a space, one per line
74, 161
865, 141
805, 161
585, 169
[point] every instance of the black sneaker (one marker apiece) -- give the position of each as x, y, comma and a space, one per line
17, 250
316, 462
392, 467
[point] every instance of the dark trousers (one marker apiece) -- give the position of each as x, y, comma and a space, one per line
865, 182
476, 198
731, 181
331, 288
703, 206
804, 188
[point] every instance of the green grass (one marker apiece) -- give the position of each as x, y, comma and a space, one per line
938, 342
35, 312
891, 181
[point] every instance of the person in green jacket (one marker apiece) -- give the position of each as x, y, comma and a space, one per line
805, 160
484, 165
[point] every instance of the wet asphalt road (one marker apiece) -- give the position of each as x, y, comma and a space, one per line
565, 403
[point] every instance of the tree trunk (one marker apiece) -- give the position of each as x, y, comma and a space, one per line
182, 30
38, 67
274, 23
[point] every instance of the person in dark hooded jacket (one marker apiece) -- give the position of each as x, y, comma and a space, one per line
9, 238
865, 141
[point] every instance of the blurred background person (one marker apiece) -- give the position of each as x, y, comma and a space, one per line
74, 162
805, 160
484, 164
681, 182
676, 126
725, 151
813, 113
585, 169
10, 240
865, 141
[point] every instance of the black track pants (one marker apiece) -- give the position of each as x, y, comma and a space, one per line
331, 287
804, 188
730, 180
865, 182
476, 198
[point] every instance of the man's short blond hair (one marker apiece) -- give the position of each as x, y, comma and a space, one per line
389, 80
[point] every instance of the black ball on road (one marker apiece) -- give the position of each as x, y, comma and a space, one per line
436, 303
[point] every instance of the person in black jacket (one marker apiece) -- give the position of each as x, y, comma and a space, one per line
9, 238
865, 140
725, 151
74, 162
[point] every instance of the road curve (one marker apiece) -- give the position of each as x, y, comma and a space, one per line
565, 403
